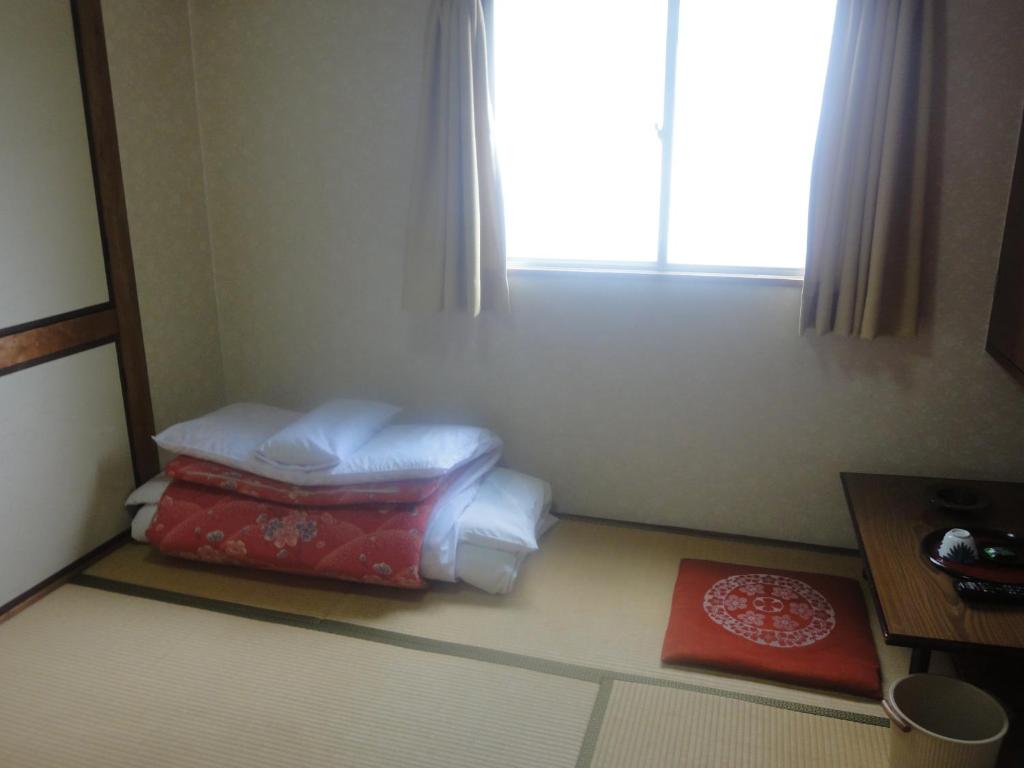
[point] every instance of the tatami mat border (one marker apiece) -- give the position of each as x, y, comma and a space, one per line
589, 745
601, 677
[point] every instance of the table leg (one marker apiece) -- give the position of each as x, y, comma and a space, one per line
920, 658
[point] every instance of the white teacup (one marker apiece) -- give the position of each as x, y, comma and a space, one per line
958, 545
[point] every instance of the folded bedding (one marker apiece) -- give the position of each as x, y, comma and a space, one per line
441, 538
506, 512
373, 543
377, 544
402, 503
500, 529
140, 522
454, 547
150, 492
495, 570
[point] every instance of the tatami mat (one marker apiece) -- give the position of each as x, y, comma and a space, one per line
597, 595
92, 678
658, 727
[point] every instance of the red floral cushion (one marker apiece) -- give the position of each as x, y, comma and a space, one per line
804, 628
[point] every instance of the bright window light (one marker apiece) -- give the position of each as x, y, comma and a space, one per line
749, 78
579, 88
580, 92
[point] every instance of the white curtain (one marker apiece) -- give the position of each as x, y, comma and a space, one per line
455, 252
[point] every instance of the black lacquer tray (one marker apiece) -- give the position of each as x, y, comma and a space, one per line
1004, 572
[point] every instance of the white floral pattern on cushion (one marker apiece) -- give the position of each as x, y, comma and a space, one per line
784, 612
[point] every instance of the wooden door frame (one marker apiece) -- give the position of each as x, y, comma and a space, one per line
1005, 332
116, 321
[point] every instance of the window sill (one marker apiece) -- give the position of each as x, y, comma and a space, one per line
790, 278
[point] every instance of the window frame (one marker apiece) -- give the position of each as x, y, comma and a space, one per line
753, 275
666, 135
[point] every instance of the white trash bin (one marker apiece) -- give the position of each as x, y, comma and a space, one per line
942, 722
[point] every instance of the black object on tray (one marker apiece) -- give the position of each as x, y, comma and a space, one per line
1001, 569
959, 498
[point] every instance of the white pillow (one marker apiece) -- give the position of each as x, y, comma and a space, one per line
327, 434
229, 435
232, 435
506, 512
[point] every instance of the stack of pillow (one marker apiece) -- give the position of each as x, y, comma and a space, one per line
500, 529
483, 525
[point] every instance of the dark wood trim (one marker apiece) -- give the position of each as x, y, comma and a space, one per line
1003, 359
113, 215
886, 634
24, 349
47, 585
44, 321
1005, 341
952, 646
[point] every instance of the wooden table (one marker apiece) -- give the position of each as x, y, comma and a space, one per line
916, 603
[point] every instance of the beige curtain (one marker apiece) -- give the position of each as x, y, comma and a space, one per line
455, 254
870, 164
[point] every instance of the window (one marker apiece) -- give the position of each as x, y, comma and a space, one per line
670, 135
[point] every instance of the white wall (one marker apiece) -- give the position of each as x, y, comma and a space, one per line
150, 54
674, 401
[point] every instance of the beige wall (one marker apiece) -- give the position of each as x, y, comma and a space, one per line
150, 55
673, 401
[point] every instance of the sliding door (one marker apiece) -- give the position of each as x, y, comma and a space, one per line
49, 228
74, 400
